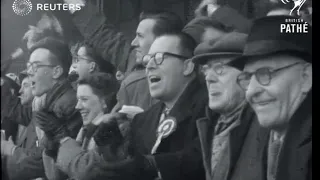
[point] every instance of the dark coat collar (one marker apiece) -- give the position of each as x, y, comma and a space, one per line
188, 100
237, 135
298, 140
57, 91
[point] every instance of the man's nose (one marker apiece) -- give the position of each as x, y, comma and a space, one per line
211, 77
150, 65
254, 88
78, 106
21, 90
134, 42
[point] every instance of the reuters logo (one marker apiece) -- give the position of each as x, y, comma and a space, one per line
22, 7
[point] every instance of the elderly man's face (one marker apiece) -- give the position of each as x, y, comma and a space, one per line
41, 71
144, 38
26, 91
275, 103
166, 79
224, 93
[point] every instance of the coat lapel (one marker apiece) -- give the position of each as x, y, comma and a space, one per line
183, 107
238, 135
297, 147
205, 128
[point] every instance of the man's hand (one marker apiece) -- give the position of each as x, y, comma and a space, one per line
7, 147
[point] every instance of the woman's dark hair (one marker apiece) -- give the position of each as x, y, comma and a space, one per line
104, 85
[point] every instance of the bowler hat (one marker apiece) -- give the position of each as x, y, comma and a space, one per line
277, 34
230, 45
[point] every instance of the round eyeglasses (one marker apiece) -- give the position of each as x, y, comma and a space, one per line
158, 57
218, 68
263, 75
76, 59
33, 67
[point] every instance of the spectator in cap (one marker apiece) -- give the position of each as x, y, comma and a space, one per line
205, 29
47, 68
25, 142
219, 11
86, 60
277, 79
229, 132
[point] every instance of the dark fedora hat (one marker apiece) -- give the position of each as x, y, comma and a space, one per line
277, 34
230, 45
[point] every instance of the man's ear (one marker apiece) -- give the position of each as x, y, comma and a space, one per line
188, 67
307, 78
57, 72
93, 66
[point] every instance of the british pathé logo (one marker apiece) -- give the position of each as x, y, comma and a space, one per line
297, 5
294, 26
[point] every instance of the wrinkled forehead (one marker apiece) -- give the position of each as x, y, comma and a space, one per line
271, 61
165, 43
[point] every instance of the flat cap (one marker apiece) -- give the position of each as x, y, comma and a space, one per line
230, 45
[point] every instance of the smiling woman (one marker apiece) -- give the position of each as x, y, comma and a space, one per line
96, 95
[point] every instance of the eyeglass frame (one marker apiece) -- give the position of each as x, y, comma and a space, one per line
153, 56
80, 57
38, 65
270, 73
217, 64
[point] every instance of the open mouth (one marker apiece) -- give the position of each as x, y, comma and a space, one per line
73, 76
154, 79
84, 114
215, 93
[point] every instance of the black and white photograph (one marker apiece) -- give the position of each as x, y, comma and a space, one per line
156, 89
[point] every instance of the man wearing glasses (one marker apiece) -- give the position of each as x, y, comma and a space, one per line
166, 133
277, 79
229, 132
86, 60
47, 69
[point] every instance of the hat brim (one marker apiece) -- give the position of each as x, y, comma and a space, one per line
241, 61
203, 58
266, 48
